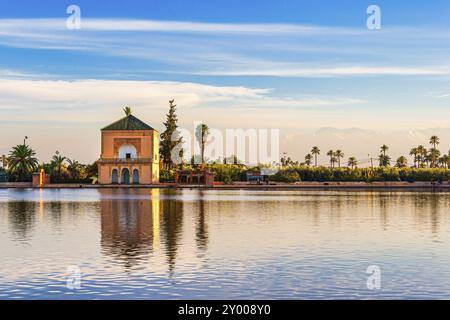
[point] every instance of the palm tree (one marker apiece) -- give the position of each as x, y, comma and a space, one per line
433, 156
57, 162
401, 162
434, 140
383, 149
4, 161
384, 159
415, 153
73, 168
22, 161
330, 153
422, 153
333, 161
444, 161
315, 151
352, 162
202, 132
127, 111
339, 154
308, 158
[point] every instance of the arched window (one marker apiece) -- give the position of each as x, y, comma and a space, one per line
136, 176
125, 176
127, 151
114, 177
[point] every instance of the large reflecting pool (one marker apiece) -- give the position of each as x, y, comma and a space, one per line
172, 244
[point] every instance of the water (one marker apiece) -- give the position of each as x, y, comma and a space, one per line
230, 244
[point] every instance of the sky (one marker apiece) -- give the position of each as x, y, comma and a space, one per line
311, 69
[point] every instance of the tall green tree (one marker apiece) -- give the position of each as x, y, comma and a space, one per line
401, 162
202, 133
384, 148
352, 162
444, 161
339, 154
434, 140
22, 161
433, 157
58, 163
330, 153
308, 159
421, 155
415, 153
74, 168
315, 151
434, 153
171, 137
384, 159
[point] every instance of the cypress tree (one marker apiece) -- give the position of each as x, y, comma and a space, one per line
171, 132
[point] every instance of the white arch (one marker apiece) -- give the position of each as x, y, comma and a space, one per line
127, 149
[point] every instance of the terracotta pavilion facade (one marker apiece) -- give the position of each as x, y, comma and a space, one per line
129, 153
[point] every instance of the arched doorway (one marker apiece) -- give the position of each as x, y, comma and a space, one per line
136, 176
114, 177
125, 176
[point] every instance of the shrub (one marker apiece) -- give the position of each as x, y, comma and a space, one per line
166, 175
286, 175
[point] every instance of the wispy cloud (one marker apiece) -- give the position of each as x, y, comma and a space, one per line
334, 72
219, 49
446, 95
89, 24
90, 100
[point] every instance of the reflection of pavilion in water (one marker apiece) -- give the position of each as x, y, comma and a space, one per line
129, 225
133, 226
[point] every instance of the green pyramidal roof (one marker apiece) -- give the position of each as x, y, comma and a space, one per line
129, 122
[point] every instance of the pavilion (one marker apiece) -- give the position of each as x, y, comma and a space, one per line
129, 153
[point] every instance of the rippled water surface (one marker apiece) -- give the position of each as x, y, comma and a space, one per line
171, 244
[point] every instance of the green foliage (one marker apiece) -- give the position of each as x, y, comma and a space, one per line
201, 135
171, 137
22, 162
3, 175
424, 174
228, 173
71, 171
166, 175
286, 175
323, 174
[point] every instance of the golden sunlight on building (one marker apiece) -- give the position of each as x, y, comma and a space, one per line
129, 153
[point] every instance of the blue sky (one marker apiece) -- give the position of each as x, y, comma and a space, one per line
290, 65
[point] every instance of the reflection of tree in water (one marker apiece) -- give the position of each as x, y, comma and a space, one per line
22, 218
171, 227
384, 206
202, 226
428, 206
127, 225
56, 212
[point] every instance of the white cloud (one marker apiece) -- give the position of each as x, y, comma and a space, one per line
334, 72
90, 100
13, 26
220, 49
